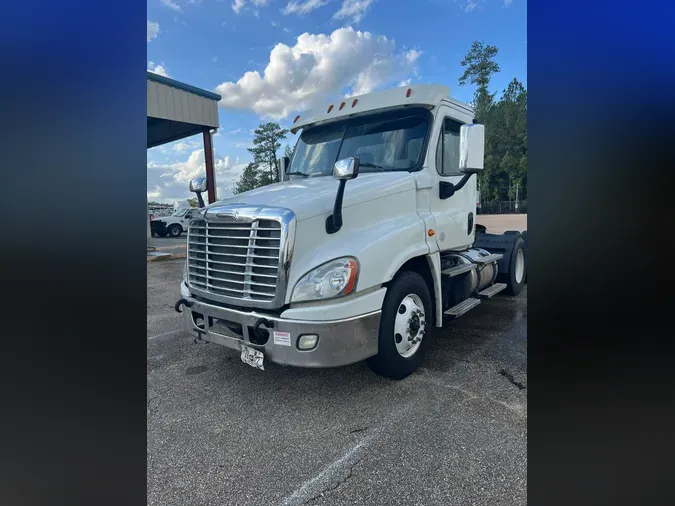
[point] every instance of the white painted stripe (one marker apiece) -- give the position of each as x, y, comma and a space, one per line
165, 334
340, 469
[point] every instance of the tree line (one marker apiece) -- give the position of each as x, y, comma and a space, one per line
505, 123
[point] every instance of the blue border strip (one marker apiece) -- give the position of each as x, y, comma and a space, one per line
182, 86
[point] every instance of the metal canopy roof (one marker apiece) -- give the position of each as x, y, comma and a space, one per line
177, 110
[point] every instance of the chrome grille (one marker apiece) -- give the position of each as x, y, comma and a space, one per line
235, 259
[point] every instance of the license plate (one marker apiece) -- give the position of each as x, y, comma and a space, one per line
252, 357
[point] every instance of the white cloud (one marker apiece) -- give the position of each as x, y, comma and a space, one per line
158, 69
171, 5
412, 55
238, 5
471, 5
168, 181
185, 146
153, 30
303, 6
507, 3
354, 9
318, 66
405, 83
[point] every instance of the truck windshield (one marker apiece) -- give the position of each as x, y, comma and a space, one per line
180, 212
383, 142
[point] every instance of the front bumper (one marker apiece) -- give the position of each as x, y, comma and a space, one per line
341, 342
157, 227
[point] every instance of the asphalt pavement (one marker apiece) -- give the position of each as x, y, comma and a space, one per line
454, 432
168, 243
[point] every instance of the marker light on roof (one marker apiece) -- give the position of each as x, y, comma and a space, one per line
330, 108
342, 105
356, 100
408, 93
296, 119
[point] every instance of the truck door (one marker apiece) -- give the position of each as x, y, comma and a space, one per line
185, 220
455, 216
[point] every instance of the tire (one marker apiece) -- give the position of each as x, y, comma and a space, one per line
524, 236
515, 278
175, 230
407, 292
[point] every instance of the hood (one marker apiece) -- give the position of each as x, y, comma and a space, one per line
316, 196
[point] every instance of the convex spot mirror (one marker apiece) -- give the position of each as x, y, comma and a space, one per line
471, 148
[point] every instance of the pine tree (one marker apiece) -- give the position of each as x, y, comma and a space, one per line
248, 180
288, 151
505, 126
265, 146
479, 66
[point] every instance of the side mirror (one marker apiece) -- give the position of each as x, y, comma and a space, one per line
346, 169
343, 171
282, 167
471, 148
198, 184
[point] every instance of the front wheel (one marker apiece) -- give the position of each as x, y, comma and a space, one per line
405, 326
175, 230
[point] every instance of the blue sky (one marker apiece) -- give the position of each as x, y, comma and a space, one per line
272, 58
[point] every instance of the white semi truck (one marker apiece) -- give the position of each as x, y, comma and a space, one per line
366, 245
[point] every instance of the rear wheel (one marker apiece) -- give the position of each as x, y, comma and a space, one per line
161, 234
515, 278
404, 327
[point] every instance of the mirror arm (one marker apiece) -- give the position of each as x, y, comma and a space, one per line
200, 200
447, 189
334, 221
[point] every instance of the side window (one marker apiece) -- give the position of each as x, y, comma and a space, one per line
447, 152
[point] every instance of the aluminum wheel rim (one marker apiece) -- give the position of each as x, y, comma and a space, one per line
520, 266
174, 232
409, 325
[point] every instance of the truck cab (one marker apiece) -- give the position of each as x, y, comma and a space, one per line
366, 244
174, 224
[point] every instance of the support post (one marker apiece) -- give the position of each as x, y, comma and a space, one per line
210, 173
516, 198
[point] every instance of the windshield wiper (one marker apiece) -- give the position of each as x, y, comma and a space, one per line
296, 174
368, 164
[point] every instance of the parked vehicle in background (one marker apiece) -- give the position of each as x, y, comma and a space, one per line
173, 225
367, 243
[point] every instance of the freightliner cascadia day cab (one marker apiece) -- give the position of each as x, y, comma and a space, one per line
366, 245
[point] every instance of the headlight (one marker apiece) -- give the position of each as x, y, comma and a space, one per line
332, 279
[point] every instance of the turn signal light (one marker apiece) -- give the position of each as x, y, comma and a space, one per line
330, 108
408, 93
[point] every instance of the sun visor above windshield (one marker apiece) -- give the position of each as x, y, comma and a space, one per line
425, 95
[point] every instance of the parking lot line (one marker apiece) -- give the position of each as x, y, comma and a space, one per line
341, 469
165, 334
